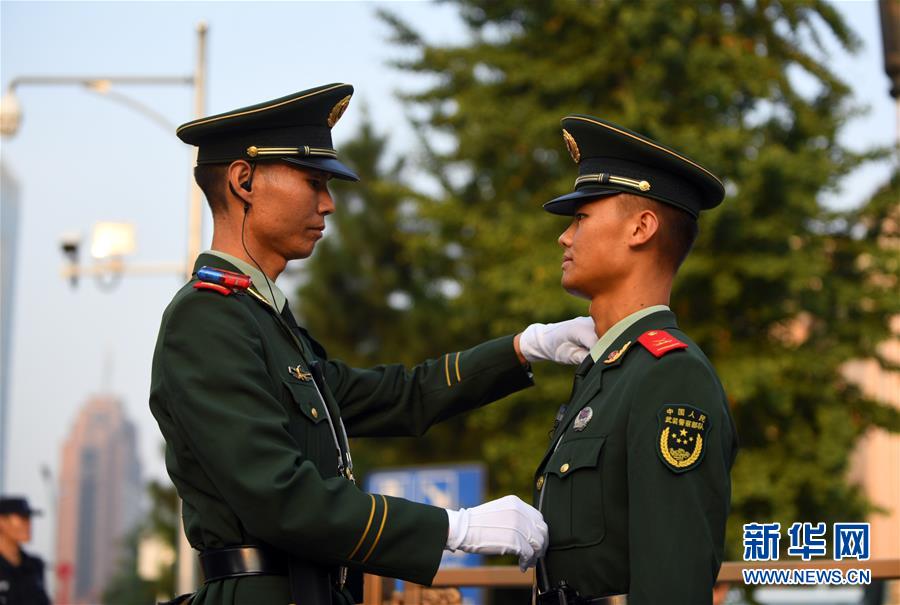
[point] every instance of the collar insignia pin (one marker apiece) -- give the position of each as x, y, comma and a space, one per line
299, 374
615, 355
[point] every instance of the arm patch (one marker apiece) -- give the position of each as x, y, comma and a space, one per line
681, 439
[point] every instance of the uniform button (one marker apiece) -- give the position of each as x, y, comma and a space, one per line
540, 482
315, 413
564, 468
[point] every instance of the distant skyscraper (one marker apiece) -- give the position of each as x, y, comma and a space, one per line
9, 223
99, 499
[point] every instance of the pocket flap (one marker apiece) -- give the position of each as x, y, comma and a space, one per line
307, 399
575, 454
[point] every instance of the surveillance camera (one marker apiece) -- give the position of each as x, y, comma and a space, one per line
69, 244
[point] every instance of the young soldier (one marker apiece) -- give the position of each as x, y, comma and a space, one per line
254, 412
635, 483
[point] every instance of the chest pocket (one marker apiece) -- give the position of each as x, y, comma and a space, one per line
306, 399
308, 425
573, 502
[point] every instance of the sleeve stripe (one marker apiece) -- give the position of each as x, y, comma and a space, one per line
380, 529
447, 368
458, 377
368, 526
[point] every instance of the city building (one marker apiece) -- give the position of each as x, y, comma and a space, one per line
99, 499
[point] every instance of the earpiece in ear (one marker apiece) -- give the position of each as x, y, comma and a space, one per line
245, 185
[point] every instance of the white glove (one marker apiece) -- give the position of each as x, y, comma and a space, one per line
566, 342
506, 526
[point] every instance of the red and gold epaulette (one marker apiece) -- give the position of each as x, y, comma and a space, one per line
221, 281
660, 342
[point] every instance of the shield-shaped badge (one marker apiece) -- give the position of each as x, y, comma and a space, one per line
582, 419
682, 436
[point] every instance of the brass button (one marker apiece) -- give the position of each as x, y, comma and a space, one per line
564, 468
315, 413
540, 482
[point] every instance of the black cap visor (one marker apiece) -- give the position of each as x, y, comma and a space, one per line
567, 205
330, 165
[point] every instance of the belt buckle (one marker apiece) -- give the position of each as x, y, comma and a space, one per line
561, 595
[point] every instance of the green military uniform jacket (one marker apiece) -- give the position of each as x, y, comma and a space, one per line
251, 452
634, 502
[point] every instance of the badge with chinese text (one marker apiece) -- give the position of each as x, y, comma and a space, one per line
682, 436
582, 419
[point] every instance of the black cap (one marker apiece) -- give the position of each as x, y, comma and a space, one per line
613, 160
295, 128
16, 505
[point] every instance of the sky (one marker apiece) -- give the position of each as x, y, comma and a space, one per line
80, 158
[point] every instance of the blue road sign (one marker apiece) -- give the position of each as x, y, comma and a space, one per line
456, 486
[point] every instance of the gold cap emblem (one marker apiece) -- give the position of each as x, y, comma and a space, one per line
572, 146
337, 111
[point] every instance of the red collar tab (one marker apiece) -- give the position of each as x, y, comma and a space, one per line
221, 277
660, 342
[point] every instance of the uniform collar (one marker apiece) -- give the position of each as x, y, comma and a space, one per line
257, 277
620, 327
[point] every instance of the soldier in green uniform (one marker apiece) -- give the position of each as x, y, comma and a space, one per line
635, 483
254, 411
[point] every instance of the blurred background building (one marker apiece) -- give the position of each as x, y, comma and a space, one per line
9, 213
99, 499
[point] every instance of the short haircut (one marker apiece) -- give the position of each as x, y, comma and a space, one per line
678, 229
212, 178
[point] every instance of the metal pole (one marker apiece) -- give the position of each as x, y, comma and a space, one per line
186, 573
195, 215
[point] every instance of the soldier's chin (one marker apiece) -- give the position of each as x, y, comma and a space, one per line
572, 287
304, 252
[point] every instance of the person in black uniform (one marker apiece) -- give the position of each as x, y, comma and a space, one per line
634, 484
21, 574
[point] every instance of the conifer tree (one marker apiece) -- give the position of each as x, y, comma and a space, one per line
779, 291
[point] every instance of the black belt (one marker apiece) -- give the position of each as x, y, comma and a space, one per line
242, 561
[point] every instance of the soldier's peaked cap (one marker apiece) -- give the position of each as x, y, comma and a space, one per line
295, 128
612, 159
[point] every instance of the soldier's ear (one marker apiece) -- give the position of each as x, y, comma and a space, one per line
239, 175
644, 226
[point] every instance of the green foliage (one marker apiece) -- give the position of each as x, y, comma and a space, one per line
779, 291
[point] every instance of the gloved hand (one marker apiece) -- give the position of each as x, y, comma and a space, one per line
500, 527
567, 342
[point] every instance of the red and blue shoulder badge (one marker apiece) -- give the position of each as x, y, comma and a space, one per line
221, 281
660, 342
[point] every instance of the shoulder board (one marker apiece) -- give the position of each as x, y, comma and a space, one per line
221, 277
203, 285
660, 342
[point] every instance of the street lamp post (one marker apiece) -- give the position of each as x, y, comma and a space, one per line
11, 119
890, 38
112, 265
